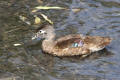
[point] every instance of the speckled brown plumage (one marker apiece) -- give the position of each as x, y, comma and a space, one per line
62, 46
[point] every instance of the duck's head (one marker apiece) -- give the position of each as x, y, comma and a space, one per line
44, 32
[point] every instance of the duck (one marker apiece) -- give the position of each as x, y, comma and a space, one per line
69, 45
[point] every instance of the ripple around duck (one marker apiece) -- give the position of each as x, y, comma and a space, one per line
28, 62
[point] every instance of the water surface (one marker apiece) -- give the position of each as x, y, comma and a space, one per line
95, 17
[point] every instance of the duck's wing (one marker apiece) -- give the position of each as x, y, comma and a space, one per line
71, 45
77, 40
70, 41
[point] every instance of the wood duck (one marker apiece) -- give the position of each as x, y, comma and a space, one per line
69, 45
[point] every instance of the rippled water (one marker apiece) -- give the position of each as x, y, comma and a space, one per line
95, 17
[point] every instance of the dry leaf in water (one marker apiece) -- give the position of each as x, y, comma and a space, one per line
23, 18
46, 18
47, 7
37, 20
17, 44
33, 11
76, 10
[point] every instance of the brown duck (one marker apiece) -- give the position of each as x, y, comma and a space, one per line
70, 45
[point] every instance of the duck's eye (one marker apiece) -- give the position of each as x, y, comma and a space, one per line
42, 31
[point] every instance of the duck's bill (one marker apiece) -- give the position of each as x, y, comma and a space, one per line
36, 37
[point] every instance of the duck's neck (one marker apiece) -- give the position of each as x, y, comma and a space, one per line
50, 40
49, 43
50, 37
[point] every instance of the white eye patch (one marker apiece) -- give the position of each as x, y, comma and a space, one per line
42, 31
